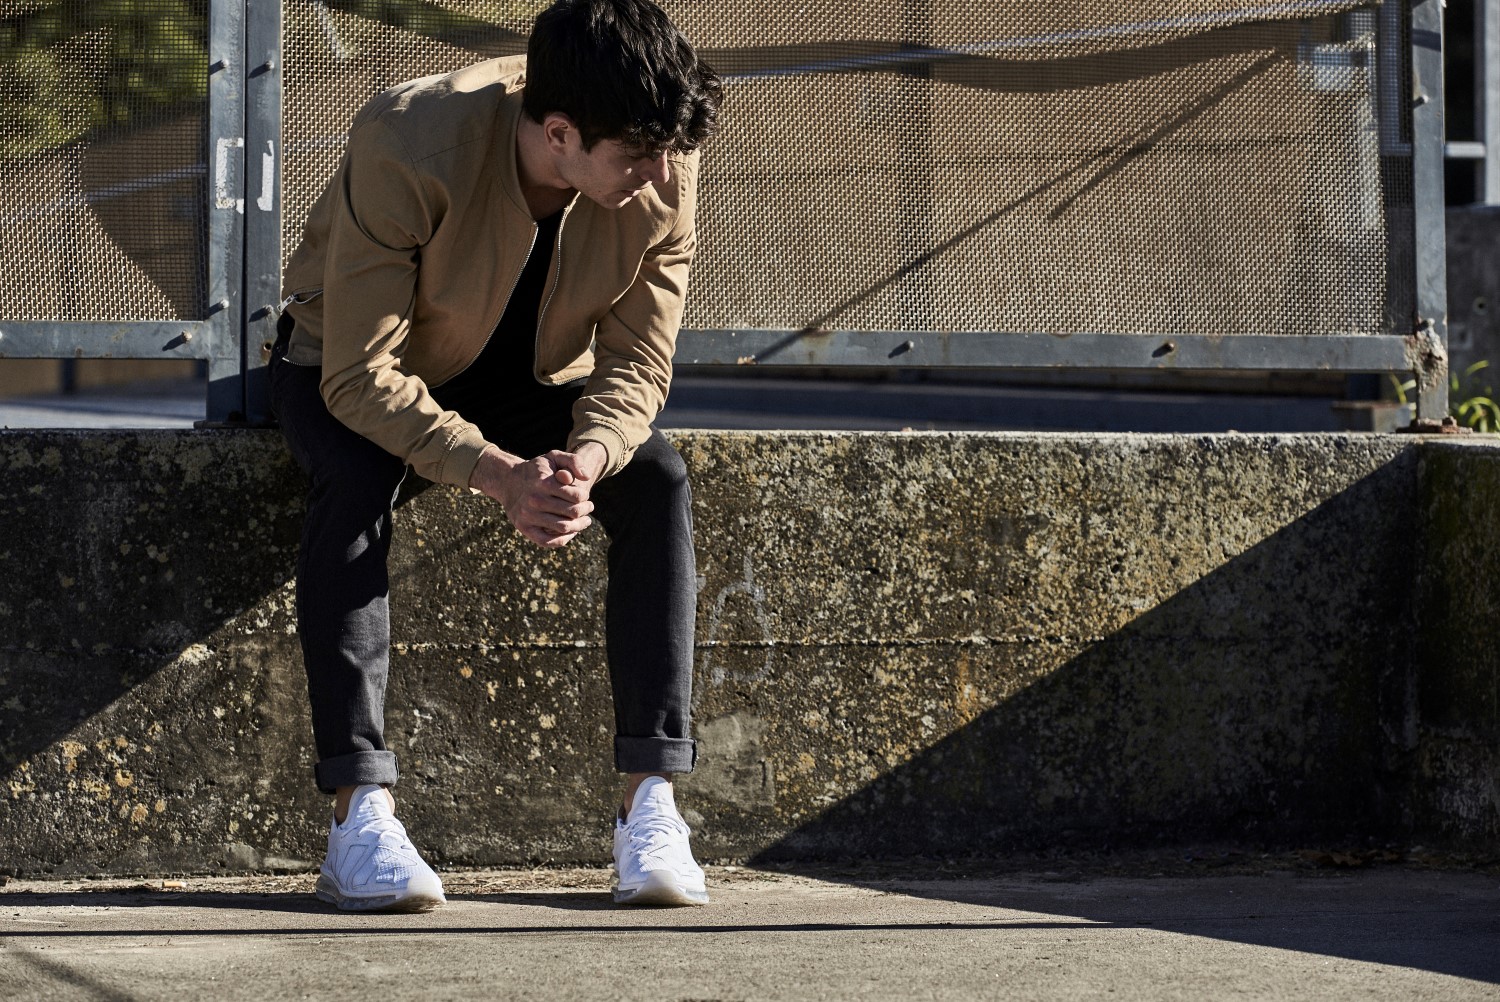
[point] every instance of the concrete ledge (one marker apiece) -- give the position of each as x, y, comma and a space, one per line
908, 643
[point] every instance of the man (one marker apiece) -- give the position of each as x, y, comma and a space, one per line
489, 290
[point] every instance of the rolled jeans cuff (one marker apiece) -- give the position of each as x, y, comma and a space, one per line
655, 754
356, 769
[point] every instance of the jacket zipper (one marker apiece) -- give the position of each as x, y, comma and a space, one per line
536, 344
300, 297
504, 303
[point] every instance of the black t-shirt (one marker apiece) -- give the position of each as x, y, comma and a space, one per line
501, 377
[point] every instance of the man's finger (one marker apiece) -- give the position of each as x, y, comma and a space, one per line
560, 507
570, 462
547, 542
557, 504
563, 527
555, 523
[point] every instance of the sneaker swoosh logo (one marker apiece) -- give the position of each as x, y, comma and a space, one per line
358, 856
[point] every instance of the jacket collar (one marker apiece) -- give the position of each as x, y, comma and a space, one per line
509, 116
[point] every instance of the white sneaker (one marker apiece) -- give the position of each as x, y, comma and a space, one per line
372, 865
653, 864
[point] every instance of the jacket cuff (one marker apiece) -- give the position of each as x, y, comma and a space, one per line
616, 451
463, 455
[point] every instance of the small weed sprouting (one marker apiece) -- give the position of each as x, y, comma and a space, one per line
1471, 405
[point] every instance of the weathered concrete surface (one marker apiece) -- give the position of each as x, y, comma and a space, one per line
907, 643
1455, 788
1387, 934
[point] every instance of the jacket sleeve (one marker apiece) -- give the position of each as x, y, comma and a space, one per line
382, 216
634, 342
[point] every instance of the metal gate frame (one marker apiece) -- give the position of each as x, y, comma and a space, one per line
1421, 353
215, 338
245, 253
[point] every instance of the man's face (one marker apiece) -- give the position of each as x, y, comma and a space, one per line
612, 174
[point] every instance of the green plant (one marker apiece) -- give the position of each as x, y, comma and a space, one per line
1471, 405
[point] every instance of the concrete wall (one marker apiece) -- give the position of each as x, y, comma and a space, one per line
908, 643
1455, 779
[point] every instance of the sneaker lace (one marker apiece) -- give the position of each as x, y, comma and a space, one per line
655, 831
388, 832
394, 857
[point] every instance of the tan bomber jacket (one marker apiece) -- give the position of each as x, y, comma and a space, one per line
409, 256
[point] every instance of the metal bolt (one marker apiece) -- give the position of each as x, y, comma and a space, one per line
267, 66
187, 336
1420, 100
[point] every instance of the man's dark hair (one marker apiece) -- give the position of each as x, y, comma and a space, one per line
620, 70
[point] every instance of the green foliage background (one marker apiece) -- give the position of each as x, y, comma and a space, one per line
68, 68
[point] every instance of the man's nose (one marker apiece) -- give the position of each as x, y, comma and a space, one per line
658, 171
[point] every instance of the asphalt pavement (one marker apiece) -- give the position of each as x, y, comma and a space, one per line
1383, 933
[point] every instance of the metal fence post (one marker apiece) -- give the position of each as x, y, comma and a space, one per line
262, 265
1429, 341
226, 215
1487, 97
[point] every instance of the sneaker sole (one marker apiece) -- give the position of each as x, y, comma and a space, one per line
327, 889
662, 890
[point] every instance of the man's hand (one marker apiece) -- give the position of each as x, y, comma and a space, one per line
546, 498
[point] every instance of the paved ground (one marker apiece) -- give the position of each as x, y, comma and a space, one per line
1394, 932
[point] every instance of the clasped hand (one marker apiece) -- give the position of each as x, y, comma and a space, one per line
546, 498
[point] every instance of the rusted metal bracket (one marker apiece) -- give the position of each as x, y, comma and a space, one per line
1428, 426
1427, 360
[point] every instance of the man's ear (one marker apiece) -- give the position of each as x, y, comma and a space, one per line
557, 128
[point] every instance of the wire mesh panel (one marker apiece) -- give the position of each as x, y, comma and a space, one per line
1157, 166
103, 205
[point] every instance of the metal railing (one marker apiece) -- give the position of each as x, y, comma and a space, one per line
919, 279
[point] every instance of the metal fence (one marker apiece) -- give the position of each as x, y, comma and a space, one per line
1191, 184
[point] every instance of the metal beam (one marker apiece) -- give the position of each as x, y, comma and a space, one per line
1463, 150
1487, 96
984, 350
1429, 233
226, 207
262, 268
164, 339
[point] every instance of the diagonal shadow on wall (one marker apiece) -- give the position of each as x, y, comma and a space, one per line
1269, 699
144, 612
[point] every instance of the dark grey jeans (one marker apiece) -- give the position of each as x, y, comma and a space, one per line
342, 584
